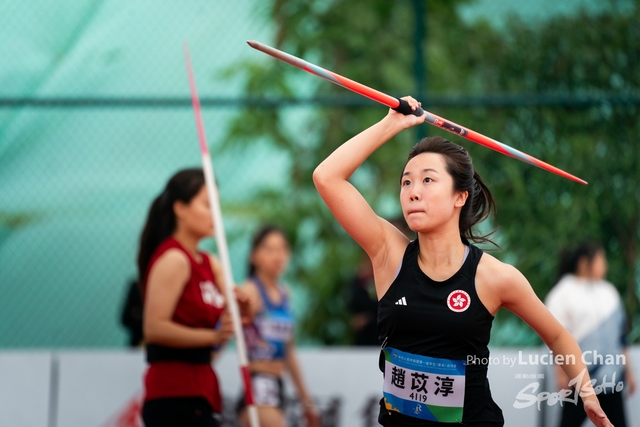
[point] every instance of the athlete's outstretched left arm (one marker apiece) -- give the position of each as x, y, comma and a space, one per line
516, 295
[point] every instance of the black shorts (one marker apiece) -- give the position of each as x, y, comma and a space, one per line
179, 412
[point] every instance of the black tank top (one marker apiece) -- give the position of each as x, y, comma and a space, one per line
440, 319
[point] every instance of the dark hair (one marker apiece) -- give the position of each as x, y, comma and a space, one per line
161, 220
570, 257
257, 240
479, 204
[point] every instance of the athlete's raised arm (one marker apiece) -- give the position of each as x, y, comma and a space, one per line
349, 207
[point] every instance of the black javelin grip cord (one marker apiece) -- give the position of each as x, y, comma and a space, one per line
403, 107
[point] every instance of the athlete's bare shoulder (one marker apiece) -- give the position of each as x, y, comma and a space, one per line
173, 258
170, 271
498, 283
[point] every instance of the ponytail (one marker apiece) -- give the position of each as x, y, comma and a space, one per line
161, 219
478, 207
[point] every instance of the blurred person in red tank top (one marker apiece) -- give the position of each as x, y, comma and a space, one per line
184, 314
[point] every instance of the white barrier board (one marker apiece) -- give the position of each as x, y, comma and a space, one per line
24, 388
96, 385
104, 388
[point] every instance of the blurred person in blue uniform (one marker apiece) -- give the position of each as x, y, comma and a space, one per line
270, 336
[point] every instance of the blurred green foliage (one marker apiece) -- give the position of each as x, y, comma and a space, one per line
372, 41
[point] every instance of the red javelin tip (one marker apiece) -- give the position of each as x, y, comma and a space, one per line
195, 101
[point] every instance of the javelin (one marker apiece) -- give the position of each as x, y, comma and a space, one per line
403, 107
221, 242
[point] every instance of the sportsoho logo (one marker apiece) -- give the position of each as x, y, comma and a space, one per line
527, 396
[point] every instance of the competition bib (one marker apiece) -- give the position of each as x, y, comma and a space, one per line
424, 387
276, 328
271, 336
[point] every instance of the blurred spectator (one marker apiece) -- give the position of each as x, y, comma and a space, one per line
590, 308
131, 315
363, 303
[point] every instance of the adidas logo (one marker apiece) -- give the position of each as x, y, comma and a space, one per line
401, 301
